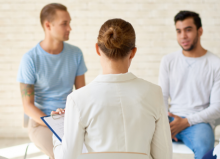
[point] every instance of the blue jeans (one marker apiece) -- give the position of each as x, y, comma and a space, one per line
209, 155
199, 138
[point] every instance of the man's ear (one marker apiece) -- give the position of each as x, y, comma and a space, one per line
133, 52
47, 25
200, 31
97, 49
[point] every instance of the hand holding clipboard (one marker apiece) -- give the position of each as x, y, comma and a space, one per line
55, 123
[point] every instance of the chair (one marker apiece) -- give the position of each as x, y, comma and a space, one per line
217, 122
25, 125
113, 155
25, 120
180, 147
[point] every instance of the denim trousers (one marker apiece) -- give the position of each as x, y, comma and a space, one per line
209, 155
199, 138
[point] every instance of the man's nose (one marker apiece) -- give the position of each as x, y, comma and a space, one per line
69, 28
183, 35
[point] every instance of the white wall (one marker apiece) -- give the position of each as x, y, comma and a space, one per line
20, 30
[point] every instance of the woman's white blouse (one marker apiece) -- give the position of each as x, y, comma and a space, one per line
116, 112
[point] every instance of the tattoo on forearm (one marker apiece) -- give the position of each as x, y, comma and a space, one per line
27, 90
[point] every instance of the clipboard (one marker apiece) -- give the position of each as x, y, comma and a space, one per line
56, 124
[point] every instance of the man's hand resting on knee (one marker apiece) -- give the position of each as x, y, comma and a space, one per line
177, 125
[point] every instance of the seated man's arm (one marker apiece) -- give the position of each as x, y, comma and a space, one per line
205, 116
213, 111
27, 93
80, 81
178, 124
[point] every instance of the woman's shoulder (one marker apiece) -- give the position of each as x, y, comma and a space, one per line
82, 94
80, 91
151, 92
149, 85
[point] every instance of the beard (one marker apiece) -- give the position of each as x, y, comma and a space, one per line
193, 44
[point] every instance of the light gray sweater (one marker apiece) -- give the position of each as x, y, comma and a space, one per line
193, 86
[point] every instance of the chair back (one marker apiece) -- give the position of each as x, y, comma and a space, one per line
217, 122
180, 147
113, 155
25, 121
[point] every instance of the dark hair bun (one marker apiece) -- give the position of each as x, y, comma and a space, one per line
112, 38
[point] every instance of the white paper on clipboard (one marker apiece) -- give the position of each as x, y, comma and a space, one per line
56, 125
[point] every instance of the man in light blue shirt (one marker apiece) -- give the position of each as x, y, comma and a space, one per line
48, 72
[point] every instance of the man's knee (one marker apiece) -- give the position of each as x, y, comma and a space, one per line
203, 143
201, 150
42, 137
204, 136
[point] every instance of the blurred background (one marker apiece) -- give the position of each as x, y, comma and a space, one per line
20, 30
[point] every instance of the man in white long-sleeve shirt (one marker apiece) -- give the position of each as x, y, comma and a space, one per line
191, 79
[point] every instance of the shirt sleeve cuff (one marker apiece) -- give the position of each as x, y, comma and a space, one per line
190, 121
56, 142
82, 72
57, 147
25, 81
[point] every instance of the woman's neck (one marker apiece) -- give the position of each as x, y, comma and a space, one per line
115, 67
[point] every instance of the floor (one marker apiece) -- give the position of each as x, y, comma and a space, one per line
15, 149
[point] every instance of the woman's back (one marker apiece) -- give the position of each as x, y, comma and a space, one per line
121, 113
117, 111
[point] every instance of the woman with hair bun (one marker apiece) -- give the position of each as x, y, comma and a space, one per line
117, 111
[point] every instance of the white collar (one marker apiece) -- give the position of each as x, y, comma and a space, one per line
115, 77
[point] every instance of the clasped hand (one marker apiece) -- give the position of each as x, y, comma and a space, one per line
177, 125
